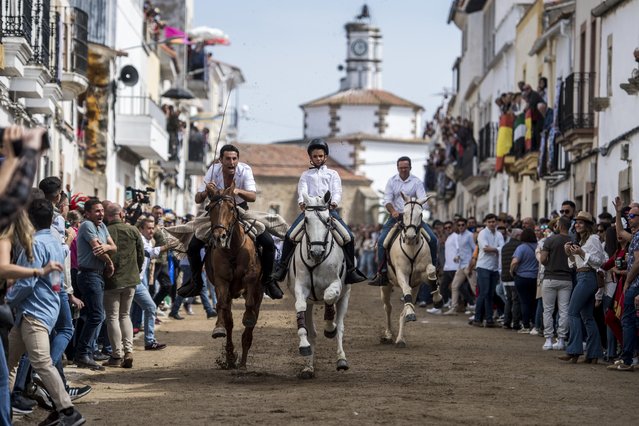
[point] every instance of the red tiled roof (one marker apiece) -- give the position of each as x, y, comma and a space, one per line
270, 160
362, 97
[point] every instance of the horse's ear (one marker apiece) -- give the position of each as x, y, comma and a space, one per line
327, 197
406, 199
423, 201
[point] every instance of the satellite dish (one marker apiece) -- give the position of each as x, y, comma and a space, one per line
129, 75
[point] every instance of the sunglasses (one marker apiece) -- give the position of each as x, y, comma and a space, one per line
461, 224
448, 227
631, 215
601, 231
564, 211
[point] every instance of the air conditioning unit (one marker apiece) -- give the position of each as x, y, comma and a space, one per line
625, 152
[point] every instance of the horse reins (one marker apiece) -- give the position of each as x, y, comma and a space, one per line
218, 199
309, 244
403, 229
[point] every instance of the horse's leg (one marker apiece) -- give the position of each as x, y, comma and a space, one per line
330, 328
387, 336
253, 300
231, 357
342, 307
301, 294
408, 312
223, 309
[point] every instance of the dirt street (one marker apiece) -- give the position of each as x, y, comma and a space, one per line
450, 373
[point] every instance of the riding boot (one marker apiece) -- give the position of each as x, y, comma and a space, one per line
281, 268
194, 286
353, 275
269, 285
381, 278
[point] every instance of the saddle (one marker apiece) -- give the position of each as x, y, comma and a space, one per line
394, 233
340, 233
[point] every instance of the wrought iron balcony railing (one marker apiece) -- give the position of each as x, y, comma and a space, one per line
487, 141
41, 39
71, 32
16, 19
575, 109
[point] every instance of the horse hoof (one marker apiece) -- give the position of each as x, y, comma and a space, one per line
330, 334
410, 317
305, 375
218, 332
306, 351
386, 340
342, 365
400, 345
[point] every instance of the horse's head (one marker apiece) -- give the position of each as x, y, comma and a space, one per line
223, 214
412, 217
317, 224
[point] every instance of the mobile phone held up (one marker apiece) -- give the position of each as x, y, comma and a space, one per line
17, 144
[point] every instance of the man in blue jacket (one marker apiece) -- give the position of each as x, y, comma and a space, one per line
37, 305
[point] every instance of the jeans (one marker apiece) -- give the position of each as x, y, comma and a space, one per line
559, 291
424, 294
143, 299
63, 329
512, 307
611, 349
5, 399
580, 311
432, 244
204, 294
91, 284
445, 283
526, 290
367, 263
629, 324
487, 281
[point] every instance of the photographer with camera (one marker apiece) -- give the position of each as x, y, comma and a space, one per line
133, 210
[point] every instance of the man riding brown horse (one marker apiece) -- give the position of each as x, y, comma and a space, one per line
222, 175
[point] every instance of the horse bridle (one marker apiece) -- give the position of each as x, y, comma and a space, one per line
328, 224
405, 228
219, 199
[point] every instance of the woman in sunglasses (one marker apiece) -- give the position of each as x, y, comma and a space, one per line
586, 256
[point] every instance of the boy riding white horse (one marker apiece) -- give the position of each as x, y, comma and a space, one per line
316, 182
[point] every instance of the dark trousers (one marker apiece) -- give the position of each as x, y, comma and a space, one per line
526, 290
161, 275
91, 284
512, 309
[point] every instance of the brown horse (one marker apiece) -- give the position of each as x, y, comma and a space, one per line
234, 259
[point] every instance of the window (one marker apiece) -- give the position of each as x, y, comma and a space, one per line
489, 34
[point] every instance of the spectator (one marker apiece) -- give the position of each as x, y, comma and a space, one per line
161, 263
524, 268
489, 242
586, 255
37, 306
556, 285
94, 245
512, 308
464, 252
120, 287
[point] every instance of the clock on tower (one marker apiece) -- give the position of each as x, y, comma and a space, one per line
359, 47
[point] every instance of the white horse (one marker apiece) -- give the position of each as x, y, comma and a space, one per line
316, 275
409, 265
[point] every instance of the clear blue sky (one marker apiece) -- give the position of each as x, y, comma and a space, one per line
289, 51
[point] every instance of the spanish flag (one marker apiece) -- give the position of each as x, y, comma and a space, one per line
529, 129
504, 138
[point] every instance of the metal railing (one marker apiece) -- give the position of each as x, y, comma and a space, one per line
41, 39
469, 161
575, 109
140, 105
16, 19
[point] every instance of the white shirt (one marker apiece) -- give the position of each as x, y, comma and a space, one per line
486, 260
595, 255
316, 181
411, 187
243, 179
450, 252
465, 248
150, 252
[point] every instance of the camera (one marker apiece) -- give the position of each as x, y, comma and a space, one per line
17, 144
137, 197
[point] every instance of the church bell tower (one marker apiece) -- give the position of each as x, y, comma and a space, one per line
363, 54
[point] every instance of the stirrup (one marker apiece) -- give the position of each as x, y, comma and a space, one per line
380, 279
354, 276
272, 290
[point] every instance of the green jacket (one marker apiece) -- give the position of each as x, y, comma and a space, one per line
129, 258
160, 240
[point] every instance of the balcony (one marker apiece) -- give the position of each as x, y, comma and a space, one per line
141, 127
197, 147
197, 77
15, 34
74, 58
576, 113
101, 20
